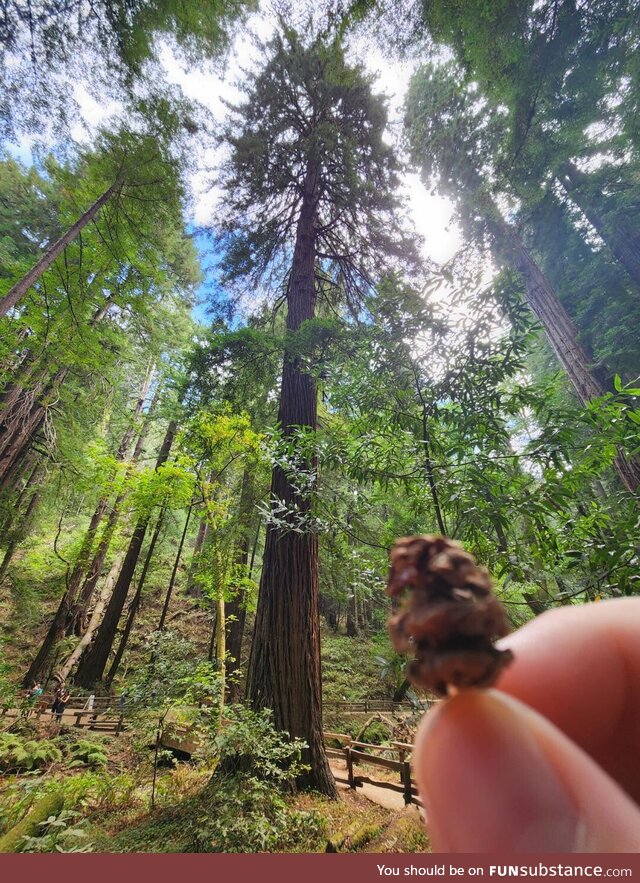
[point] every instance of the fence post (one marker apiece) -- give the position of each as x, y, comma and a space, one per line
352, 783
402, 756
406, 780
119, 726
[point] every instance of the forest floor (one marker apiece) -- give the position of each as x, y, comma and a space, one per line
354, 821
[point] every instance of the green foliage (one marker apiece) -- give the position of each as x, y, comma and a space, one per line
349, 670
250, 816
377, 733
61, 833
98, 790
18, 753
111, 47
86, 753
310, 120
249, 742
248, 812
8, 690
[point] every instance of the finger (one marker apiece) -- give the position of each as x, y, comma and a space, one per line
579, 667
495, 775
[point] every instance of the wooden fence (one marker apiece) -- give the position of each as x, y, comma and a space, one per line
364, 706
360, 753
94, 719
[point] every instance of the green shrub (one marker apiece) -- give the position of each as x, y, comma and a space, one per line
18, 754
99, 790
247, 809
250, 815
60, 833
377, 733
87, 753
250, 744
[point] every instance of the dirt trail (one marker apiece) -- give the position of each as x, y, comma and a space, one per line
381, 796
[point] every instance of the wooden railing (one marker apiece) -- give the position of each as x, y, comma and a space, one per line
359, 753
371, 705
94, 719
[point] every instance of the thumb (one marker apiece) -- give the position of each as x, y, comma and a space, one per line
496, 776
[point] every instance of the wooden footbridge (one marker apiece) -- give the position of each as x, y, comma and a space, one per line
102, 717
362, 754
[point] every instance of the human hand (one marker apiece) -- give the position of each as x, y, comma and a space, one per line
550, 760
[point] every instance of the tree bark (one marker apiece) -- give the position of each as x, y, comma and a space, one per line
19, 535
284, 668
77, 620
174, 572
96, 616
563, 337
193, 589
559, 328
135, 602
67, 613
622, 239
28, 412
19, 435
93, 662
18, 291
236, 609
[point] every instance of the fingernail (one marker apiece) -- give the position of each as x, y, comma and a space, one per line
488, 783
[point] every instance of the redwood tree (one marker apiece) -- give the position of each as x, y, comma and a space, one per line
310, 211
453, 136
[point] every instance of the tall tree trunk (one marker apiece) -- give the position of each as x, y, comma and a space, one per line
21, 531
67, 613
559, 329
93, 662
32, 465
78, 616
284, 668
17, 440
193, 589
236, 609
619, 234
235, 618
96, 616
28, 413
221, 654
174, 572
18, 291
563, 337
135, 602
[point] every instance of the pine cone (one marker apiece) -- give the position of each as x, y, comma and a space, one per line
450, 617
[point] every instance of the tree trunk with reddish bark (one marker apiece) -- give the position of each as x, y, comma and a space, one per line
284, 668
559, 329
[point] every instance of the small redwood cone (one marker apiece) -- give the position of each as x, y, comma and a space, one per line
450, 618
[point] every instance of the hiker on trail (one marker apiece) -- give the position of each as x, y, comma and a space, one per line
34, 693
60, 699
31, 699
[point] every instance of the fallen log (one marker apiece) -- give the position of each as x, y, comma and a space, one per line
49, 805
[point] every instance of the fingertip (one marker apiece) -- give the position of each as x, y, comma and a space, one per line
494, 775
